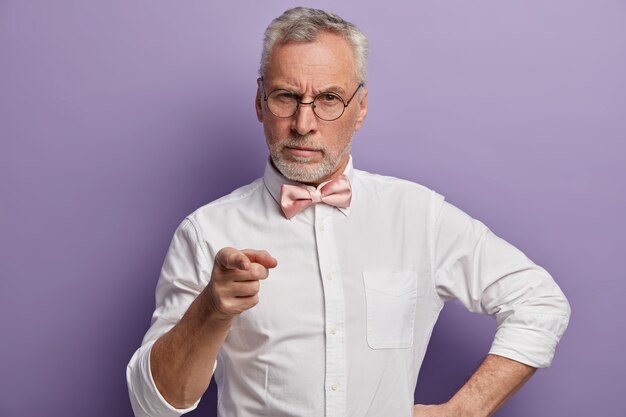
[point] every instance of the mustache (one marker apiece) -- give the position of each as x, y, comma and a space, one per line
302, 140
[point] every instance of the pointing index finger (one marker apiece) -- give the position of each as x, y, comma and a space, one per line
261, 257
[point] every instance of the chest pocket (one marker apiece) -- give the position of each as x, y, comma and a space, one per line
391, 299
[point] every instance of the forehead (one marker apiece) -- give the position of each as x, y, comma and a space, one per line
327, 60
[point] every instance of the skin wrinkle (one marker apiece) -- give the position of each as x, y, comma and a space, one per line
330, 159
294, 89
308, 69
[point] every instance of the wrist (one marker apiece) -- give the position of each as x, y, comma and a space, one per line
457, 407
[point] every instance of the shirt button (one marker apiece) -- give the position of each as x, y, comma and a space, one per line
334, 387
329, 276
333, 330
321, 227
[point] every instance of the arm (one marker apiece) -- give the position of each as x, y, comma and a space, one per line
491, 385
182, 359
196, 298
490, 276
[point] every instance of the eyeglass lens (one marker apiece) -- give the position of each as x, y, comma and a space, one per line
327, 106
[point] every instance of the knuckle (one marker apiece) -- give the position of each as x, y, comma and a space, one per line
231, 257
259, 272
226, 256
223, 252
254, 272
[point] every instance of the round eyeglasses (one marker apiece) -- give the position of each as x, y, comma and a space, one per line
327, 105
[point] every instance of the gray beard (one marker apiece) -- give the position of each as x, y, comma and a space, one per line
299, 169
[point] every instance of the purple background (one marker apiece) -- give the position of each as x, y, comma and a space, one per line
118, 118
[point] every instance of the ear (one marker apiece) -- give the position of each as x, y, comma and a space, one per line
258, 102
362, 109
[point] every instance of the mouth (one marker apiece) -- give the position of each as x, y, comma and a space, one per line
302, 151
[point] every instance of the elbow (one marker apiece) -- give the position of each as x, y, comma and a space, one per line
566, 311
555, 304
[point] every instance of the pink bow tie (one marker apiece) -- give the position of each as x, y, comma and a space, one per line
296, 198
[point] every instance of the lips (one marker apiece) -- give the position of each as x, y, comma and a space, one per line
302, 151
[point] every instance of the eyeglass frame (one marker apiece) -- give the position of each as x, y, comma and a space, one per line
311, 103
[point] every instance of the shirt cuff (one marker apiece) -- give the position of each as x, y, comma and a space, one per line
145, 397
533, 346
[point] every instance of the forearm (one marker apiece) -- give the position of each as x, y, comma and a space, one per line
490, 386
182, 360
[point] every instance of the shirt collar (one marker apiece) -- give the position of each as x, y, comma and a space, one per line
274, 180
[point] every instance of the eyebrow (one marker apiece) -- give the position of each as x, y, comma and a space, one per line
332, 89
328, 89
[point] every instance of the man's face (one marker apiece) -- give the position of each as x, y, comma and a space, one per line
303, 147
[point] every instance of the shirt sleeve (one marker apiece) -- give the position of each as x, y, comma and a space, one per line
184, 275
490, 276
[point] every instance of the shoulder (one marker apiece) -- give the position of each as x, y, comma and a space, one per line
245, 196
395, 189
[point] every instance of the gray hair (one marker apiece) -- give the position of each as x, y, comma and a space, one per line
302, 24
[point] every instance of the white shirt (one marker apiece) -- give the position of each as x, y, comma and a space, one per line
343, 321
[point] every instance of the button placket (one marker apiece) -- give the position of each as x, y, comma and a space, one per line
334, 312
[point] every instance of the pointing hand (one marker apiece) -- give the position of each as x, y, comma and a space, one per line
234, 285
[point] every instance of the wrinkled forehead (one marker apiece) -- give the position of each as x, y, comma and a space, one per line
329, 57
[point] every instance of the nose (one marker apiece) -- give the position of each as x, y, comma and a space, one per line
304, 121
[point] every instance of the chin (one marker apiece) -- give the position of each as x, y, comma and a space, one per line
302, 171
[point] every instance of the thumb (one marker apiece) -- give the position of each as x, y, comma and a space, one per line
231, 258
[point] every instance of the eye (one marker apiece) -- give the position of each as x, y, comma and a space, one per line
284, 96
328, 98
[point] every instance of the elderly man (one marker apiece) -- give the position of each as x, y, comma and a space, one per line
331, 313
